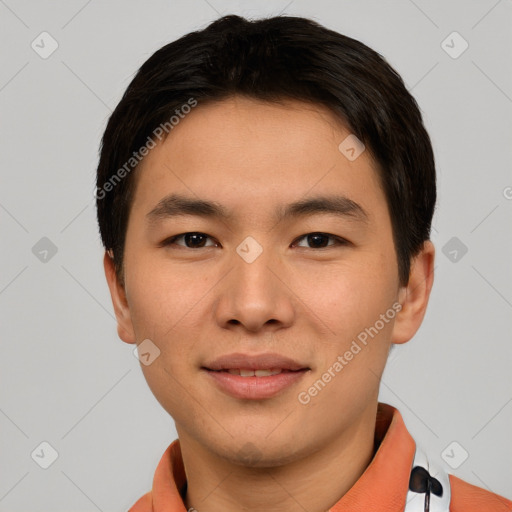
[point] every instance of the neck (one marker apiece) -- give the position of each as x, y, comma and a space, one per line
313, 483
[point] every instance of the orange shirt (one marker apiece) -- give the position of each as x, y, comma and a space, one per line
383, 487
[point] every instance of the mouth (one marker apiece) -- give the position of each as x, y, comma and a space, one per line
254, 377
254, 373
247, 384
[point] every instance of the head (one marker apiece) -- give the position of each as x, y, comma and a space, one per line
307, 142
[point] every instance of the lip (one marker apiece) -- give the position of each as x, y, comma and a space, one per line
254, 362
254, 388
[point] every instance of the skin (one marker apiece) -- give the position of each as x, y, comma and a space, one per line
296, 299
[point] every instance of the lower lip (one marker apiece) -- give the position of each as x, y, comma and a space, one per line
255, 388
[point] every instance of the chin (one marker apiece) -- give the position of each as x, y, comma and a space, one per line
260, 453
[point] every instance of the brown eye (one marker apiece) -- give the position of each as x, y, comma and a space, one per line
320, 240
193, 240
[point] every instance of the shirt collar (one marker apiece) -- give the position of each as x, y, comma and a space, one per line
383, 486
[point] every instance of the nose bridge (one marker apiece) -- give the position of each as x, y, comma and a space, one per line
253, 282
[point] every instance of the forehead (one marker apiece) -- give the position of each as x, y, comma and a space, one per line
241, 125
241, 147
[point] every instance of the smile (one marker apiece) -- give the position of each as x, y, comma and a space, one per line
254, 384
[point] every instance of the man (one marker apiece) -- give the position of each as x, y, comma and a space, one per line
265, 193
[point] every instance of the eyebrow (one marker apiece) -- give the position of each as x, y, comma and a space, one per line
175, 205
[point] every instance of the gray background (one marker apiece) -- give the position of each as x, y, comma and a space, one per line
65, 376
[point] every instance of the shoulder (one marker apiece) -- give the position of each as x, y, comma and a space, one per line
144, 504
469, 498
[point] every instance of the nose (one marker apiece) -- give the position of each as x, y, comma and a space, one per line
254, 296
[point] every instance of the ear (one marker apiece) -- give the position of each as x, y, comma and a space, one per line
414, 297
118, 295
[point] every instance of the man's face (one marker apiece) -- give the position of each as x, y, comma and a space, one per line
213, 294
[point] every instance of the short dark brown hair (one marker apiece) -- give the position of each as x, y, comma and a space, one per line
274, 59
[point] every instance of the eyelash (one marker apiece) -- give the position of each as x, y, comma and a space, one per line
338, 240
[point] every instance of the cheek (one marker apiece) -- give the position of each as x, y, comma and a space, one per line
164, 307
358, 309
349, 297
163, 298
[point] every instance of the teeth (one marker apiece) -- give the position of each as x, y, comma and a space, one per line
267, 373
254, 373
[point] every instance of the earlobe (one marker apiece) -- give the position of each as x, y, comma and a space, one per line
119, 301
414, 297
